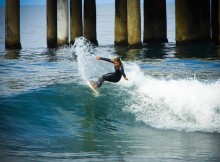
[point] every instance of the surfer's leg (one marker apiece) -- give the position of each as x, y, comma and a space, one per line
106, 77
100, 82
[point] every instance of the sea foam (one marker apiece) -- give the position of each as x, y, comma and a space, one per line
179, 104
188, 105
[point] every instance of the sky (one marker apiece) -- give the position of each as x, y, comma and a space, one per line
43, 2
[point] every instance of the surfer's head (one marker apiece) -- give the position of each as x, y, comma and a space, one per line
117, 61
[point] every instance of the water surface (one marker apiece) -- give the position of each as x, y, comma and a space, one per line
169, 110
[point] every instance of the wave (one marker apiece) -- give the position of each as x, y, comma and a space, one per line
184, 104
188, 105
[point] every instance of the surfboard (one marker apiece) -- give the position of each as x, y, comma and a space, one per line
90, 83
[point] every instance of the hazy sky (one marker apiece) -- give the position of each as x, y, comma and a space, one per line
43, 2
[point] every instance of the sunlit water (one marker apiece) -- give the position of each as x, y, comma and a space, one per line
169, 110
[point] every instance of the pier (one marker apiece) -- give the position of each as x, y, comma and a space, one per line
12, 24
196, 21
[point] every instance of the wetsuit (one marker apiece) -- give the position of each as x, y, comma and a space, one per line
111, 77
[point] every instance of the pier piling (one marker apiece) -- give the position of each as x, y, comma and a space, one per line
134, 23
219, 21
214, 21
192, 21
62, 22
90, 21
12, 24
51, 23
121, 32
75, 20
155, 23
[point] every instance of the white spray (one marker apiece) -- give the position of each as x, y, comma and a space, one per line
188, 105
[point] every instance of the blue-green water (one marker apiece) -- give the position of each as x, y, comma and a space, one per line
169, 110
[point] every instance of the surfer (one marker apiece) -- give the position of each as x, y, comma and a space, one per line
111, 77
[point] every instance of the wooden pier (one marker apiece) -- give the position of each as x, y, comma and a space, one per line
196, 21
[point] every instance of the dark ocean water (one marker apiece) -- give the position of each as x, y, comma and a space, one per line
169, 110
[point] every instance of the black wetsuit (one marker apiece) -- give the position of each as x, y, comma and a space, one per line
111, 77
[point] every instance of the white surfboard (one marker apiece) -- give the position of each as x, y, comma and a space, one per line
92, 87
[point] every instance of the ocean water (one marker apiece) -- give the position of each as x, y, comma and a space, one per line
169, 110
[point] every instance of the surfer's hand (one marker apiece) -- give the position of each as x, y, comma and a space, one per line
126, 78
98, 58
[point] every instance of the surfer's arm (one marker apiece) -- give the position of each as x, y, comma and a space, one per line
123, 73
104, 59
